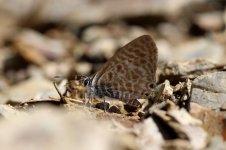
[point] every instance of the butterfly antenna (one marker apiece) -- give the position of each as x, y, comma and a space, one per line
58, 91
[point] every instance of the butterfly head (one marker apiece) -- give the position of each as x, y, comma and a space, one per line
86, 81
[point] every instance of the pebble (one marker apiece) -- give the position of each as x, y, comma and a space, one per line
103, 46
210, 21
37, 48
83, 68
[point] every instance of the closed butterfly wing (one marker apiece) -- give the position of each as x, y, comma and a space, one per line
131, 72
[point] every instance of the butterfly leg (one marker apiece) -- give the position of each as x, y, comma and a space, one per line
91, 102
88, 100
105, 105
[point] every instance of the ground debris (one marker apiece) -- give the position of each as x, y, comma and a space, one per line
47, 43
175, 123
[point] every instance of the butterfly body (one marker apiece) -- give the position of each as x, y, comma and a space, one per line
104, 91
128, 75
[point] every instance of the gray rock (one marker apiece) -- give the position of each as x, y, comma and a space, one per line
215, 82
175, 71
210, 90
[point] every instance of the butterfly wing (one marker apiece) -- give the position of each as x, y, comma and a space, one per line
131, 70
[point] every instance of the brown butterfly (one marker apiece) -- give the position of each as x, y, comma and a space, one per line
129, 75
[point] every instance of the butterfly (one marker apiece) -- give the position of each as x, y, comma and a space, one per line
128, 75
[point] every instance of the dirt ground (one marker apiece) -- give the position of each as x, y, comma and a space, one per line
48, 47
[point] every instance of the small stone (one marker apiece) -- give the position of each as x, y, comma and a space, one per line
61, 69
83, 68
210, 21
37, 48
102, 46
95, 32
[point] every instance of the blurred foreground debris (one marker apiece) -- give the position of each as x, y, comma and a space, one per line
40, 40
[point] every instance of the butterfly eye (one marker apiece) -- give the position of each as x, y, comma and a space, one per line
86, 81
151, 86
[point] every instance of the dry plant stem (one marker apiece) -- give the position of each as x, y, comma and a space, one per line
73, 100
51, 99
40, 100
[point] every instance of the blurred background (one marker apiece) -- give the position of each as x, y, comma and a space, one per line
47, 38
41, 39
